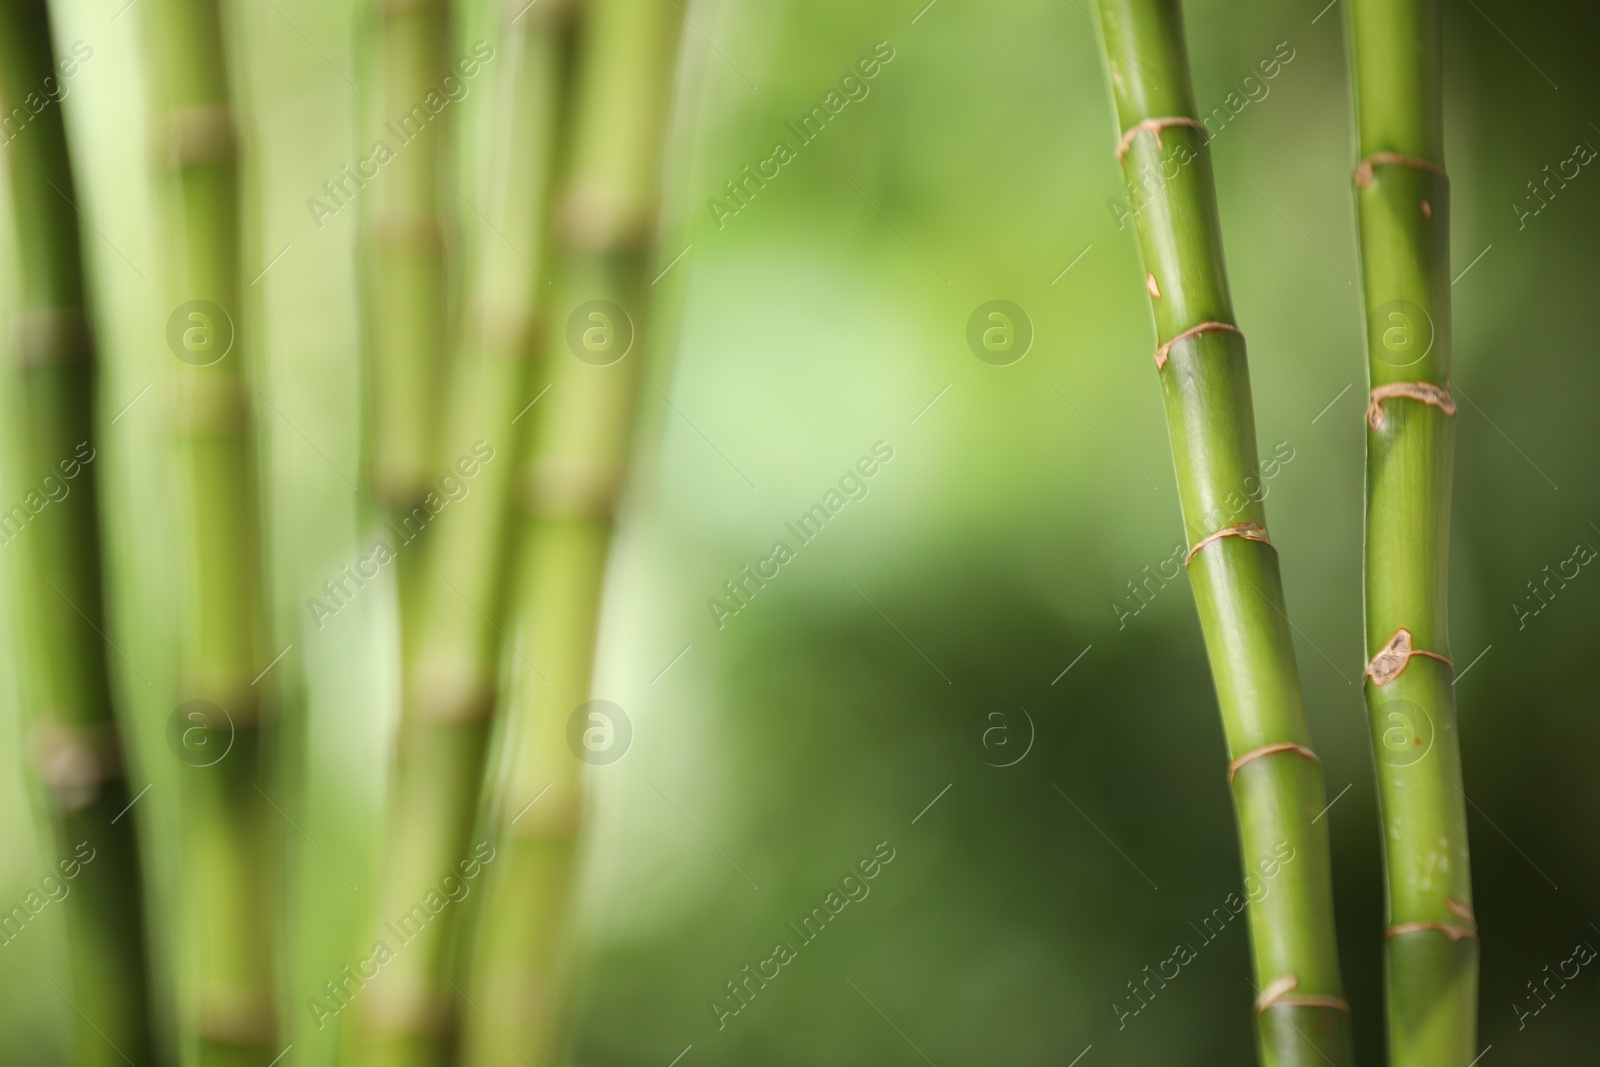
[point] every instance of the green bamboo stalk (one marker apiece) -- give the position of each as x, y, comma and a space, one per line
1402, 201
71, 713
404, 250
227, 922
409, 1014
1303, 1018
520, 977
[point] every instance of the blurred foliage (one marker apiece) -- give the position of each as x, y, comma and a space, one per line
824, 717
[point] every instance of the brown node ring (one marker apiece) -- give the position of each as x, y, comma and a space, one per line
1277, 995
1363, 174
1270, 750
1250, 531
1155, 126
1393, 658
1450, 930
1193, 331
1421, 392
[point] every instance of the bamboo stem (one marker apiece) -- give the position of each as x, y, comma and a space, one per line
70, 708
410, 1014
1402, 201
227, 922
604, 228
1233, 568
404, 242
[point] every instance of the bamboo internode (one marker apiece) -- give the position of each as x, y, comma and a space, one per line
1237, 587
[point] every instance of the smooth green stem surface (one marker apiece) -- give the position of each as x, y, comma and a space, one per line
521, 963
227, 920
1236, 583
404, 240
409, 1014
73, 734
1402, 202
604, 225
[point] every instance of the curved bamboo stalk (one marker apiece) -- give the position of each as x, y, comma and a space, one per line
1402, 201
409, 1014
1303, 1019
71, 711
604, 230
227, 923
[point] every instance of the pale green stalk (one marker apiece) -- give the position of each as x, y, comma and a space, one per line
409, 1014
226, 920
72, 732
1402, 202
520, 980
404, 247
1302, 1017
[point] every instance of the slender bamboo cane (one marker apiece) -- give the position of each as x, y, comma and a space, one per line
405, 249
227, 922
1402, 200
71, 710
1233, 567
604, 228
409, 1014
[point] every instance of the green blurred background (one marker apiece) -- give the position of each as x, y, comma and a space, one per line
822, 719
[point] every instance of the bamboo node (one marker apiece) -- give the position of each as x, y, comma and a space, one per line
449, 693
1450, 930
571, 487
1363, 174
1277, 995
1155, 126
201, 133
396, 8
1270, 750
1393, 658
1250, 531
600, 220
233, 1016
1193, 331
396, 230
504, 328
404, 1008
51, 335
1275, 991
72, 761
207, 402
1422, 392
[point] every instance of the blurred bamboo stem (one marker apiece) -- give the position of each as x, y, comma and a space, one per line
604, 227
409, 1016
1303, 1019
71, 712
405, 250
1402, 203
227, 921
